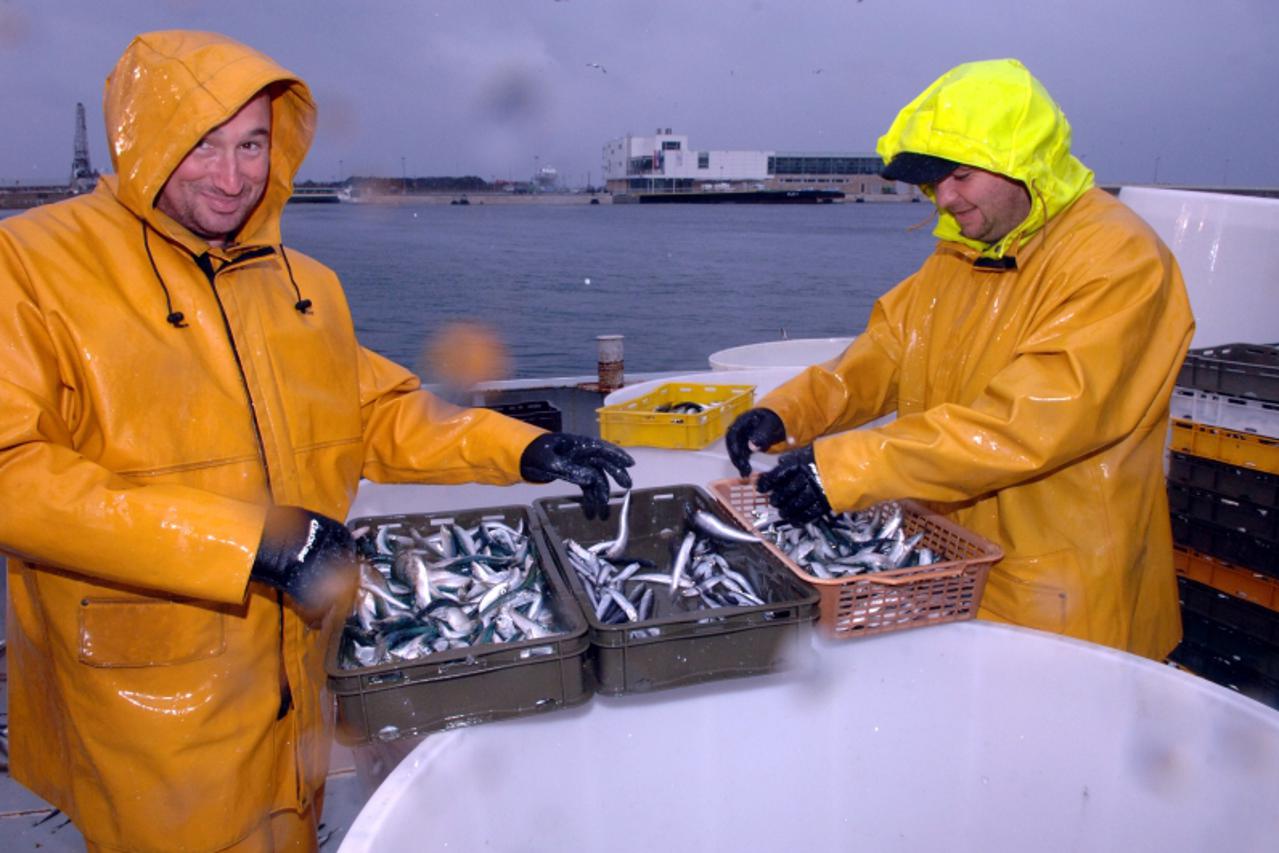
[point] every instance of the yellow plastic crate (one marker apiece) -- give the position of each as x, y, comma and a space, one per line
1257, 452
637, 422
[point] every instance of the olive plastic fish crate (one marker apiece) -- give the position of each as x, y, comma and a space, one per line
637, 422
459, 687
680, 646
866, 604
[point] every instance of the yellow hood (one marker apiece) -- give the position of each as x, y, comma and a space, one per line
995, 116
171, 88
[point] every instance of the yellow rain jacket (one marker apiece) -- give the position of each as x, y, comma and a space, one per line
1030, 378
137, 458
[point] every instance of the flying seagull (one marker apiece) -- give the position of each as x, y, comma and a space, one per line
597, 65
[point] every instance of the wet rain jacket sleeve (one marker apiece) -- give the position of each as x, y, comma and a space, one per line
77, 515
857, 386
412, 436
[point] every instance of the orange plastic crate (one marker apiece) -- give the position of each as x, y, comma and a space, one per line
862, 605
1226, 577
1234, 448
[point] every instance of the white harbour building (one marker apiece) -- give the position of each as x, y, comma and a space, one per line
664, 162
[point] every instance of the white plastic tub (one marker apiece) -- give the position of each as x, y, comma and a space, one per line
797, 352
1228, 250
962, 737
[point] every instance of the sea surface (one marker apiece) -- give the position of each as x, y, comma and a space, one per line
679, 282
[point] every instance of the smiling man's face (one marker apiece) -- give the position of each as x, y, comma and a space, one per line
985, 204
217, 185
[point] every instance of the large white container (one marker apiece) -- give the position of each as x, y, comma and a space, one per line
1228, 249
796, 352
961, 737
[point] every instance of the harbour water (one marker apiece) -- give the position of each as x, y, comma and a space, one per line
678, 281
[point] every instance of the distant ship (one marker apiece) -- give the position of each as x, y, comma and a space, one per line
741, 197
316, 195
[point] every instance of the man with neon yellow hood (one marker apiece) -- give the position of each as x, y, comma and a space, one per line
1029, 362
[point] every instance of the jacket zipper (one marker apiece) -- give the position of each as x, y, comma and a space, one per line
206, 266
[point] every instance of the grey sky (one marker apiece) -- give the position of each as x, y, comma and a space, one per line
1182, 91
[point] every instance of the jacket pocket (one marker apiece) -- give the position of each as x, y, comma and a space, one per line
1035, 592
118, 632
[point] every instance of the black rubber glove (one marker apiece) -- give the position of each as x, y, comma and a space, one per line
794, 487
310, 557
754, 429
580, 459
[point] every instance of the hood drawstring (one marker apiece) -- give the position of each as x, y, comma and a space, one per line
178, 320
174, 317
303, 306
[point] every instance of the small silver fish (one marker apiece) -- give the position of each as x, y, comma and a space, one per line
623, 530
681, 559
711, 525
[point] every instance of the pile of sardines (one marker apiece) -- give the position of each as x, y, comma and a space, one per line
685, 407
625, 589
849, 543
434, 588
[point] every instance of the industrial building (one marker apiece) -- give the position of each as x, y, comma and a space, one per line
664, 162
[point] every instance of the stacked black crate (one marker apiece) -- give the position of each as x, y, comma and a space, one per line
1223, 489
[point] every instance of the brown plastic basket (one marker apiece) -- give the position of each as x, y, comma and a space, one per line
862, 605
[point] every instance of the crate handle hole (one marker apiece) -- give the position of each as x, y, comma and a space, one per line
465, 663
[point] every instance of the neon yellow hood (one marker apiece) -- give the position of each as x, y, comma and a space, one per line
995, 116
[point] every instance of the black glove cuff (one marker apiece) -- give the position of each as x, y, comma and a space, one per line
283, 535
293, 539
536, 457
769, 430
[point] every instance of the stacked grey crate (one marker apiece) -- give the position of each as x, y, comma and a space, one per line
1229, 513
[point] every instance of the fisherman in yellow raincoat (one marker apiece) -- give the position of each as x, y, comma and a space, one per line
1029, 362
185, 415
